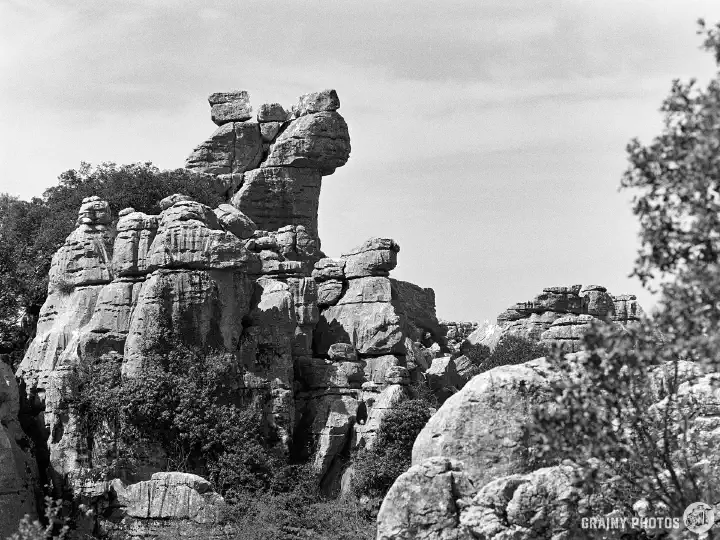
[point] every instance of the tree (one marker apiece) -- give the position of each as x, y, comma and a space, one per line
622, 411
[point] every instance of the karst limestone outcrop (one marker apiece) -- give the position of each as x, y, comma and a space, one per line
560, 316
328, 345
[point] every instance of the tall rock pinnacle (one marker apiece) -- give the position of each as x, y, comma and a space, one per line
270, 167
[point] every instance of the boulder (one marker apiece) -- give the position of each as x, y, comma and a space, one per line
330, 292
233, 220
436, 500
443, 374
373, 328
317, 141
327, 268
135, 234
230, 107
423, 503
375, 257
314, 102
272, 112
234, 147
169, 505
482, 424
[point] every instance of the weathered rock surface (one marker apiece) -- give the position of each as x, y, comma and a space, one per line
551, 316
481, 425
329, 346
319, 141
436, 500
375, 257
18, 470
235, 147
230, 107
169, 505
274, 197
233, 220
283, 156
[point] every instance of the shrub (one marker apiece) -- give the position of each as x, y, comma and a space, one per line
510, 350
377, 468
633, 436
189, 405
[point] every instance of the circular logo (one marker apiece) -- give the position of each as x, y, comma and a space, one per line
699, 517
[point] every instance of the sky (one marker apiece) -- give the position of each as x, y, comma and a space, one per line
488, 137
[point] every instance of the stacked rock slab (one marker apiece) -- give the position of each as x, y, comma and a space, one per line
366, 346
270, 167
562, 315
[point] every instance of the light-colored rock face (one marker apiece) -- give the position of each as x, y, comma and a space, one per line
169, 505
376, 257
233, 220
435, 500
18, 471
482, 424
328, 345
272, 168
135, 234
277, 196
235, 147
230, 107
563, 315
318, 141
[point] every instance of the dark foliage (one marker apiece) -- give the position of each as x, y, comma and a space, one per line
390, 456
621, 411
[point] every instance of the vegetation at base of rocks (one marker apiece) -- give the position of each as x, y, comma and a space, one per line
376, 469
31, 231
189, 408
630, 410
300, 513
510, 350
53, 527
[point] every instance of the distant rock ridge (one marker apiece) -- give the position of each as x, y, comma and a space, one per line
562, 315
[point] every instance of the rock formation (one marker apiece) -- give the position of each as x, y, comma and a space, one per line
19, 487
329, 346
562, 315
271, 167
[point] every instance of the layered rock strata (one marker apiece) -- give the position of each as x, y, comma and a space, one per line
270, 167
562, 315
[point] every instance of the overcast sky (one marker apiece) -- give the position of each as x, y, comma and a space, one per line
487, 136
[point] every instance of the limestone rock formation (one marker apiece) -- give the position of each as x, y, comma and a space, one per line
482, 424
271, 169
436, 500
562, 315
327, 345
18, 470
168, 505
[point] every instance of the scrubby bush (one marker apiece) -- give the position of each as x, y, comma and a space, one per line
189, 405
391, 454
53, 527
510, 350
620, 410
